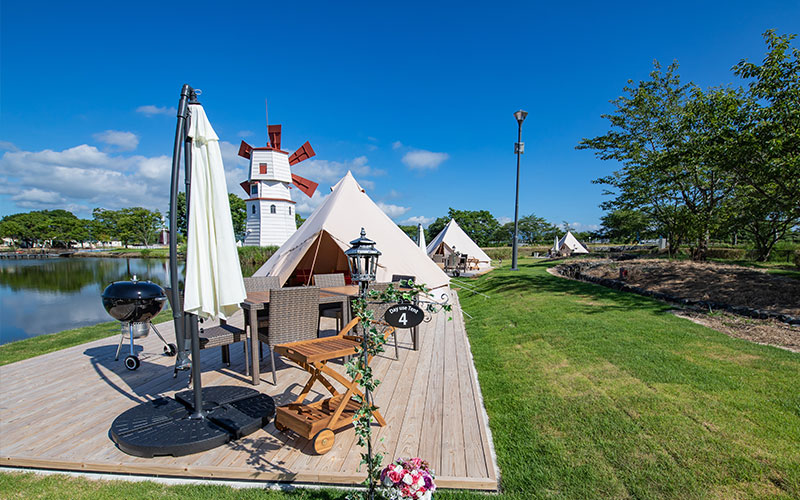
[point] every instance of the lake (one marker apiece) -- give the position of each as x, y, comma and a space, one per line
51, 295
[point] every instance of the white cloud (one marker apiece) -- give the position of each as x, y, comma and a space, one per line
235, 168
420, 159
306, 205
419, 219
393, 211
119, 140
397, 145
579, 226
83, 177
327, 172
245, 133
151, 110
372, 139
504, 220
8, 146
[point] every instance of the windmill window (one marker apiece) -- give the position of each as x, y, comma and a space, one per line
290, 210
253, 209
272, 209
262, 168
254, 189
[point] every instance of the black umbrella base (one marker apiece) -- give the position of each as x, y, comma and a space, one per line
165, 426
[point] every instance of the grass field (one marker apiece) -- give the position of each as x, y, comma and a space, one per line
42, 344
592, 393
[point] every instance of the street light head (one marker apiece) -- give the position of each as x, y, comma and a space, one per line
520, 116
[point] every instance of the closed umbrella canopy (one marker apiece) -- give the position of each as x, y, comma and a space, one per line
214, 286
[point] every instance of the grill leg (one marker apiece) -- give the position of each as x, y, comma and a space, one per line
119, 347
272, 361
130, 332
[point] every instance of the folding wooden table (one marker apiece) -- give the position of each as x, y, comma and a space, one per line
319, 420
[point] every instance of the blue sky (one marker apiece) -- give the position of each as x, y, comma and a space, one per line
415, 98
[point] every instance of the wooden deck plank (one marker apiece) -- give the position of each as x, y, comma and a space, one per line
85, 389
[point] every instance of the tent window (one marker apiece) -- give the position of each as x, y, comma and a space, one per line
272, 209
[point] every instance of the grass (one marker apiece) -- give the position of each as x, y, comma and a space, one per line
42, 344
591, 393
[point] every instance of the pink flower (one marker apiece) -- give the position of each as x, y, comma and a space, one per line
395, 476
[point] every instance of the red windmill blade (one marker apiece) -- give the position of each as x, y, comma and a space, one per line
303, 153
306, 186
245, 150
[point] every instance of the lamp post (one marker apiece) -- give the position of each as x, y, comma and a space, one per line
519, 148
362, 258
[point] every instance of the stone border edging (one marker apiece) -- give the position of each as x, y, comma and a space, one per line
576, 271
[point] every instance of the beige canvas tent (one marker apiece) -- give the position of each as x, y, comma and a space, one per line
453, 239
569, 245
318, 245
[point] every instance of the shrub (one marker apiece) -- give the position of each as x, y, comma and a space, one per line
726, 253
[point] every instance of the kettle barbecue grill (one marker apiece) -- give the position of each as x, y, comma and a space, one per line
134, 303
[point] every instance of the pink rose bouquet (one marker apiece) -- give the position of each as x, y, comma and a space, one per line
408, 478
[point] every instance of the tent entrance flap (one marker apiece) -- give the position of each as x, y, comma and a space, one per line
324, 256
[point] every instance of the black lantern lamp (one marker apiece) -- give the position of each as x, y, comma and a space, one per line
362, 257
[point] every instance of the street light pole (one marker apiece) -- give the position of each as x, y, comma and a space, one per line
519, 148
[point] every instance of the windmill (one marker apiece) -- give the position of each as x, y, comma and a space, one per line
270, 209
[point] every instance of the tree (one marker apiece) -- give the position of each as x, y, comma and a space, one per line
411, 231
138, 224
298, 219
238, 215
768, 166
663, 173
626, 225
532, 229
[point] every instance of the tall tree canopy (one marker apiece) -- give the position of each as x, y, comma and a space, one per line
480, 225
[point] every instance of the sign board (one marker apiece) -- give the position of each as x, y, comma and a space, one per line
404, 315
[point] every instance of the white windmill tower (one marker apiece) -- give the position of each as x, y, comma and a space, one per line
270, 209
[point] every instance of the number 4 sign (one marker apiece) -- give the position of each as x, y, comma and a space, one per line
404, 315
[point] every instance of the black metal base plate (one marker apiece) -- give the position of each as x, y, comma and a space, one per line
164, 426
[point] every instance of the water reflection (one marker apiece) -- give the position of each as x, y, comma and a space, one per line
46, 296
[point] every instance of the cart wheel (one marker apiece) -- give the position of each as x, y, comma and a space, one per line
170, 349
131, 362
280, 426
323, 441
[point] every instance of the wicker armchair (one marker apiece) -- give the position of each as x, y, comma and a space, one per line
335, 310
260, 284
293, 316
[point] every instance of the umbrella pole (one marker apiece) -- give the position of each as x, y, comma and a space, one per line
182, 361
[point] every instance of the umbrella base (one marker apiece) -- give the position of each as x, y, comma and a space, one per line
164, 427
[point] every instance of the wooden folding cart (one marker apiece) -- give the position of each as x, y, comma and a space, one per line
319, 420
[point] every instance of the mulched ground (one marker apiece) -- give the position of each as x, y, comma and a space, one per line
729, 284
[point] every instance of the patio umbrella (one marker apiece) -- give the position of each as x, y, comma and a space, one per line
214, 286
421, 238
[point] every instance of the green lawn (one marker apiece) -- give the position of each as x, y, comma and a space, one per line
42, 344
592, 393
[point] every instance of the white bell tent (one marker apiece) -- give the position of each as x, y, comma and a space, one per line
453, 239
318, 245
569, 245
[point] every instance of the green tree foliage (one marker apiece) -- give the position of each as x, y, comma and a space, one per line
411, 231
298, 219
480, 225
626, 226
54, 228
768, 148
238, 215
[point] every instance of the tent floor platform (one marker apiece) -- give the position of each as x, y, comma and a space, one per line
56, 412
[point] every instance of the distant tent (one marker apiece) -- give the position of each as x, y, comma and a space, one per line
453, 239
569, 245
421, 238
318, 246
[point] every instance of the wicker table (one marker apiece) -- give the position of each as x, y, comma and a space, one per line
257, 301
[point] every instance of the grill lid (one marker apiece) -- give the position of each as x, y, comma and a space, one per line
133, 301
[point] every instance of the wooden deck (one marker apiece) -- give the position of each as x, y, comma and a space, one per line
56, 411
